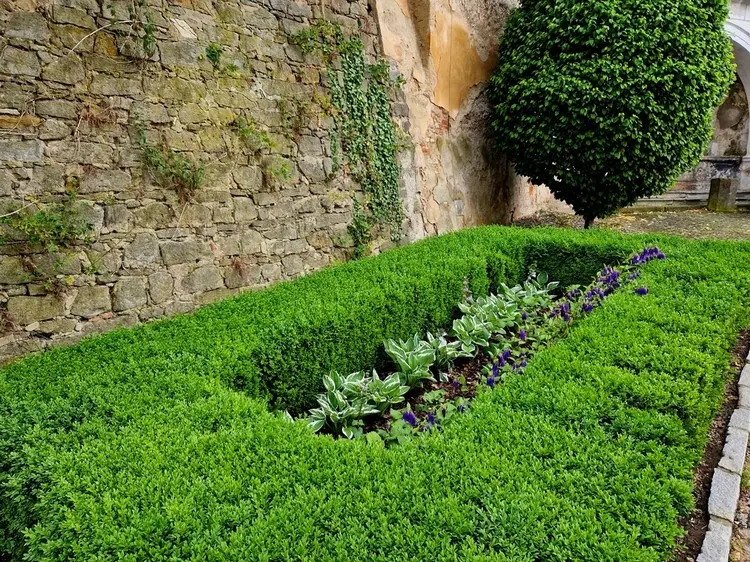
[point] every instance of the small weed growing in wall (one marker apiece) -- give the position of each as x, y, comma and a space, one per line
364, 131
281, 173
97, 115
254, 138
141, 31
52, 226
170, 168
213, 54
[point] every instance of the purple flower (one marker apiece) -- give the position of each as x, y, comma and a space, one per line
506, 354
461, 409
495, 370
523, 364
522, 335
410, 418
642, 291
456, 384
524, 316
491, 382
588, 307
431, 418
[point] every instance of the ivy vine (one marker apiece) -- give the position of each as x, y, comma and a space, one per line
364, 131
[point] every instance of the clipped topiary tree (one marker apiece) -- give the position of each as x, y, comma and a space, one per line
607, 101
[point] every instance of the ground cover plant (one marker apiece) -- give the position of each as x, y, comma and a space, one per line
164, 442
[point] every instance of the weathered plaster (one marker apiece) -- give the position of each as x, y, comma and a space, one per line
447, 50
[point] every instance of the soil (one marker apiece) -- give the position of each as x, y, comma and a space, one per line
696, 524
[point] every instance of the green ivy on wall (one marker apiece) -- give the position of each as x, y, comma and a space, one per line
364, 133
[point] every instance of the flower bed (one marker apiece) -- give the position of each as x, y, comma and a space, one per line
136, 445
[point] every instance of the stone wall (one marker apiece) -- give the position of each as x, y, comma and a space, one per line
726, 157
71, 89
447, 50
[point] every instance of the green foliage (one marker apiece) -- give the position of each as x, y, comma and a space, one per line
172, 169
414, 359
360, 230
52, 226
255, 139
140, 30
213, 54
136, 445
607, 101
364, 128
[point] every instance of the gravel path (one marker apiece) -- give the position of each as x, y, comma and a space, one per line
690, 224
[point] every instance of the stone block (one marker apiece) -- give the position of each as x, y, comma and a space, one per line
271, 272
52, 129
197, 215
161, 286
27, 25
19, 62
740, 419
744, 397
98, 181
717, 543
91, 213
118, 218
151, 112
252, 242
244, 209
91, 301
745, 376
212, 139
310, 146
79, 18
21, 150
293, 265
57, 108
154, 215
725, 493
12, 271
735, 447
80, 152
129, 293
223, 215
242, 275
204, 278
27, 310
229, 246
180, 54
175, 253
723, 195
144, 249
320, 240
105, 85
57, 326
67, 69
58, 263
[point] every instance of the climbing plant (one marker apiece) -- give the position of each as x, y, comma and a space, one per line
364, 131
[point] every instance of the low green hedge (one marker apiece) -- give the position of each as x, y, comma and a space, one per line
137, 446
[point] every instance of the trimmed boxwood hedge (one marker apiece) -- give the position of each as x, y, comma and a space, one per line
137, 446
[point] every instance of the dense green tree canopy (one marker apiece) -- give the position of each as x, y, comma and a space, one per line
606, 101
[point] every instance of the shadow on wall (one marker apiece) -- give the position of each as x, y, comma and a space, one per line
420, 11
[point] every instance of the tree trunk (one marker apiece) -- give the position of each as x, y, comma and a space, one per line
588, 222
